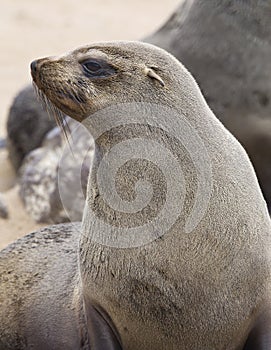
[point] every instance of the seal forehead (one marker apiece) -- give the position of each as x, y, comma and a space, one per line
127, 50
91, 53
124, 51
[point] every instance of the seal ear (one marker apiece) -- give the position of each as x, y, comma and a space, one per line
260, 336
149, 71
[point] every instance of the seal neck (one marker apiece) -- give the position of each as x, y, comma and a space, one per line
144, 155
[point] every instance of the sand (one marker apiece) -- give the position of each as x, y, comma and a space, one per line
30, 29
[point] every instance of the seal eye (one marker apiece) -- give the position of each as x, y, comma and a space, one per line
92, 66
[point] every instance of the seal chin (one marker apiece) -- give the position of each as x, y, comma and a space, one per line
67, 106
55, 99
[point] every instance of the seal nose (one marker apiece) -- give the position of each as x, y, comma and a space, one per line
33, 67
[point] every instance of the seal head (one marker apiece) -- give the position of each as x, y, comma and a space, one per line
80, 83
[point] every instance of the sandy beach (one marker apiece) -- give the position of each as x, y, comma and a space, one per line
30, 29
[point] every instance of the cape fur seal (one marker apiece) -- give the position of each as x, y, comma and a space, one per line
205, 285
226, 45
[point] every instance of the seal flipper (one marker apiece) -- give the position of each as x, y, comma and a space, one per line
260, 336
102, 332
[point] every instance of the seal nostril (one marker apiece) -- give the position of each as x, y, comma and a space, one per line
33, 67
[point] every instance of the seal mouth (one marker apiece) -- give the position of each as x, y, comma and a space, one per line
57, 100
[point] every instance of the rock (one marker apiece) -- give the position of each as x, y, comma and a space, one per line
49, 184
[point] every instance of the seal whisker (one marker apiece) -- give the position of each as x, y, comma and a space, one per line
52, 110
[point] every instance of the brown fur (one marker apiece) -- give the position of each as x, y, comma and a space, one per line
206, 289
